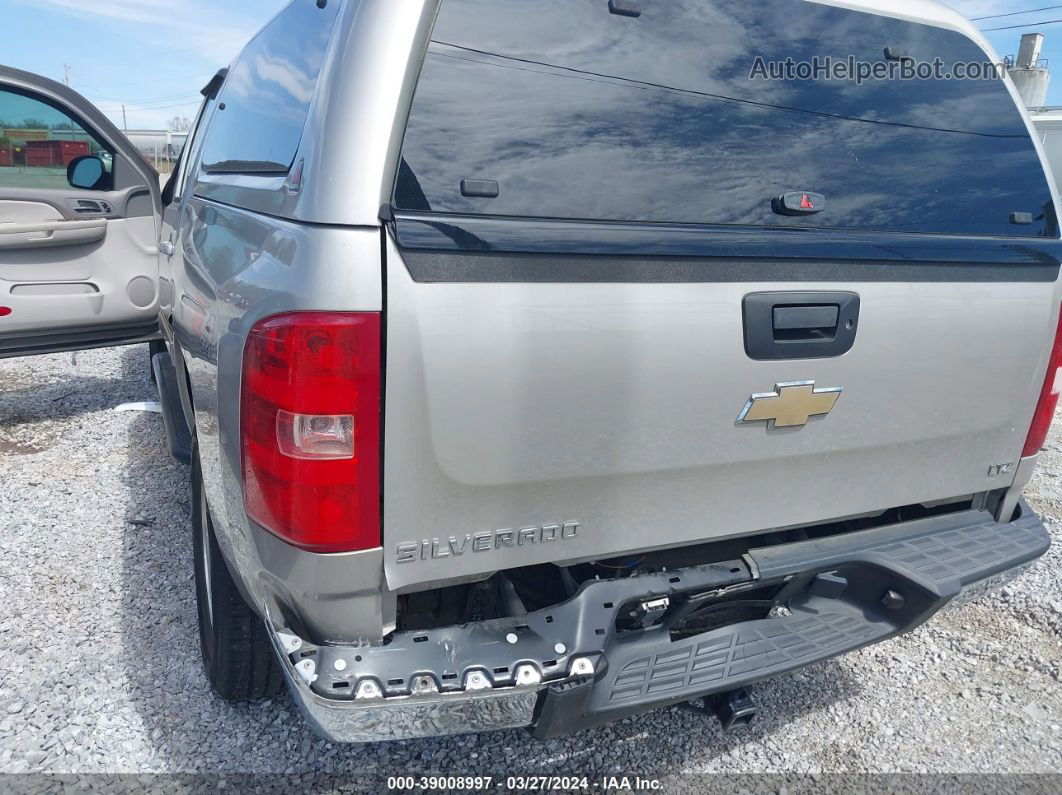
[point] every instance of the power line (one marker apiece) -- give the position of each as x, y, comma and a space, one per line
1027, 25
177, 99
153, 108
197, 77
106, 99
187, 99
1014, 13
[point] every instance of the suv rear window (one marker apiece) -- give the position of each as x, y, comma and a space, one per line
266, 96
576, 112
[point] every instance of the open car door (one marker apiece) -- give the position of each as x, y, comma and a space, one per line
79, 221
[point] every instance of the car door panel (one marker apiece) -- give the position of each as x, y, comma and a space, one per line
78, 267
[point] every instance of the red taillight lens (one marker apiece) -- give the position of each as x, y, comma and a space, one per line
310, 414
1045, 407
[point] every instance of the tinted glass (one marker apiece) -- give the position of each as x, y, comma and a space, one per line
266, 96
38, 141
579, 113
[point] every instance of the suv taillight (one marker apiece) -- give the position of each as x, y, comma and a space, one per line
310, 427
1045, 407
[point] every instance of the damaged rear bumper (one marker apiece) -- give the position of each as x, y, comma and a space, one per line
567, 667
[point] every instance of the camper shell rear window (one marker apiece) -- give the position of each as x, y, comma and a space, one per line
561, 109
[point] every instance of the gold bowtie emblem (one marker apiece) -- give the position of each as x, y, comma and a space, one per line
790, 404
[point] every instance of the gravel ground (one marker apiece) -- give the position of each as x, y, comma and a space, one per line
100, 671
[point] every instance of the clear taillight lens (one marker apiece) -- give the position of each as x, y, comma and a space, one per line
310, 413
319, 437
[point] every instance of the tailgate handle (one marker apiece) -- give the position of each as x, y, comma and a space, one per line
800, 325
805, 322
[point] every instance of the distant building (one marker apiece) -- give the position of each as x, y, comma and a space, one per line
160, 144
40, 147
155, 145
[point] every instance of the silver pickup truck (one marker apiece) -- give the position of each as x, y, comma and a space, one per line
539, 364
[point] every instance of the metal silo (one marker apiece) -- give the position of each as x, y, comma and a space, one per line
1029, 71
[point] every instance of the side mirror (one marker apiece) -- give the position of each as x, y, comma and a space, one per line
88, 172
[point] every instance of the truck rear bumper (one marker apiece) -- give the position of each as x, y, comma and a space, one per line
567, 667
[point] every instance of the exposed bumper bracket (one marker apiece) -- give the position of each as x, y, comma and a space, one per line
508, 672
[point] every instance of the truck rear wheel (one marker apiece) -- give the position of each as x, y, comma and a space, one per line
236, 652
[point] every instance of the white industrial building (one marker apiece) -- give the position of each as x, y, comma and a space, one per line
157, 145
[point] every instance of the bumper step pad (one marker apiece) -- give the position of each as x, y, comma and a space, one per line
964, 547
755, 649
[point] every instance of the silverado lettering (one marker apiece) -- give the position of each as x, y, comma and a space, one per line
429, 548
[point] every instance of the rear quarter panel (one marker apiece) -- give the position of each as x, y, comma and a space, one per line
238, 267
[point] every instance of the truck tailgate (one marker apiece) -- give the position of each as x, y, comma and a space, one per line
522, 407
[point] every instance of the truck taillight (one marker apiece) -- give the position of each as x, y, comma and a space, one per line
1045, 407
310, 428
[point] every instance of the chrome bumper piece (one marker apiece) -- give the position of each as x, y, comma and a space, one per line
421, 715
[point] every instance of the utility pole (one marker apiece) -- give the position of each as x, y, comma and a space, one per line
125, 125
66, 75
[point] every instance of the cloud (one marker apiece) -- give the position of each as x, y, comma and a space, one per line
203, 26
150, 11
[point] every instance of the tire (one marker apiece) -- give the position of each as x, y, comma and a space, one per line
237, 655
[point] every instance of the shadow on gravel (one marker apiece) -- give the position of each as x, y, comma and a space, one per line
187, 728
55, 401
31, 415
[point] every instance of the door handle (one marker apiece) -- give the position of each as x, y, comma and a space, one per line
800, 325
43, 234
166, 247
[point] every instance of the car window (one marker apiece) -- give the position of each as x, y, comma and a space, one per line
263, 104
191, 148
38, 141
565, 110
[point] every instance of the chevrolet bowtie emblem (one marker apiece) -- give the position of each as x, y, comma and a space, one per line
790, 405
